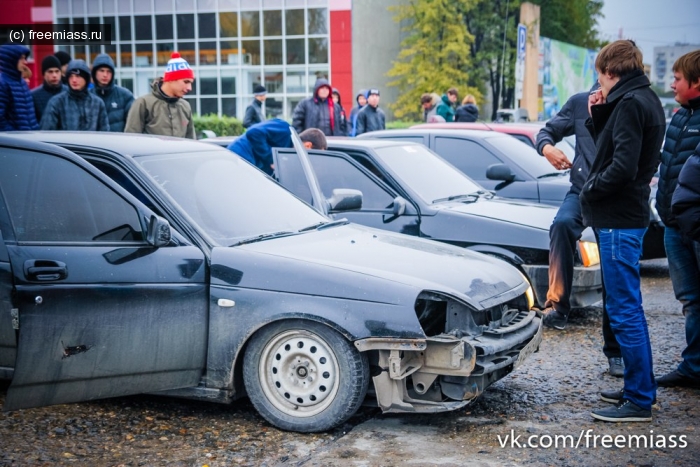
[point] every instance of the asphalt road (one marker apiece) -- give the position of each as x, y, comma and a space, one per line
524, 419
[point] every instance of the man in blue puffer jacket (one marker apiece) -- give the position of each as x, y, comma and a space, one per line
117, 99
16, 103
682, 137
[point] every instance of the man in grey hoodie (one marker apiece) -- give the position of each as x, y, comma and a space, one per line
117, 99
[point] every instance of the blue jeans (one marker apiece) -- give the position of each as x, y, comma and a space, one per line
565, 231
684, 268
620, 250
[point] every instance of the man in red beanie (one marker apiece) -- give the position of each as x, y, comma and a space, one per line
164, 111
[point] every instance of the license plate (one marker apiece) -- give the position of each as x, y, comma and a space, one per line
530, 348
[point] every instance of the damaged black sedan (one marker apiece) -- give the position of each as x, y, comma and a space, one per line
132, 264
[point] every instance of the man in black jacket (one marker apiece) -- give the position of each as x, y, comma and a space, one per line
627, 123
118, 100
254, 113
683, 254
568, 223
52, 85
319, 111
371, 117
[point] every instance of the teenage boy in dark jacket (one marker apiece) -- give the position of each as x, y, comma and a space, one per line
568, 225
16, 104
52, 85
76, 109
686, 210
627, 123
319, 111
254, 112
682, 137
117, 99
371, 117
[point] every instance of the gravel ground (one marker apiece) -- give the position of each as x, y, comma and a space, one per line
551, 395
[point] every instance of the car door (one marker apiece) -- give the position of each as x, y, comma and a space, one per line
474, 159
102, 312
8, 338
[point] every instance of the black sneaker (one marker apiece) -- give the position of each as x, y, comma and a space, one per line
553, 319
617, 366
675, 379
615, 397
625, 411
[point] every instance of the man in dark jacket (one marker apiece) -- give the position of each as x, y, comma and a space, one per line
52, 85
568, 225
65, 59
371, 117
627, 123
255, 145
117, 99
16, 104
335, 95
254, 113
685, 206
682, 137
361, 101
318, 111
77, 109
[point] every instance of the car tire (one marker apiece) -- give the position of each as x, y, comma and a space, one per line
304, 376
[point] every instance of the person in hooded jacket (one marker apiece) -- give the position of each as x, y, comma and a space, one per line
445, 107
164, 111
343, 117
76, 109
361, 101
117, 99
52, 85
468, 111
371, 117
16, 103
255, 145
319, 111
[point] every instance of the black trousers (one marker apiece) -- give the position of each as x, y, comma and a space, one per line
565, 231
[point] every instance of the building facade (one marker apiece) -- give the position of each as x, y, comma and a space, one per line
232, 46
664, 58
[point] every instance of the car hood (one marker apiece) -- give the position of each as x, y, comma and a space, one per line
554, 189
357, 262
533, 215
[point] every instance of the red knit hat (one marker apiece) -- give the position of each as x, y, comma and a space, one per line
178, 68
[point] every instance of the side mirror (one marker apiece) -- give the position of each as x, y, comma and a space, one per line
399, 206
206, 134
345, 199
500, 172
158, 232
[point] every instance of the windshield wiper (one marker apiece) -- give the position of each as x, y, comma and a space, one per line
555, 174
471, 197
266, 236
325, 225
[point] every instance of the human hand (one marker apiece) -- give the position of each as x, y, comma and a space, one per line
555, 157
595, 98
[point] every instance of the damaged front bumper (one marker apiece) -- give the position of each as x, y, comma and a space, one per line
445, 372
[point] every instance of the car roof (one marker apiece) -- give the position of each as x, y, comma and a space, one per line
433, 131
530, 128
122, 143
350, 143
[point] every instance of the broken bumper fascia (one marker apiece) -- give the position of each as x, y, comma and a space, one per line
445, 372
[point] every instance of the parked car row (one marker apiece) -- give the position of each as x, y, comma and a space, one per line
508, 168
132, 263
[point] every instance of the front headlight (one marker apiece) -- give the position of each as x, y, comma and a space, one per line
530, 297
589, 253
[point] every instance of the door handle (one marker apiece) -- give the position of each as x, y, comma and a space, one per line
45, 270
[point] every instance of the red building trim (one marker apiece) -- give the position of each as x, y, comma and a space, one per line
341, 56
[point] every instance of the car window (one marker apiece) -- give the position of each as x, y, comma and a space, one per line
522, 139
415, 139
290, 174
226, 197
424, 172
50, 199
336, 172
523, 155
468, 156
